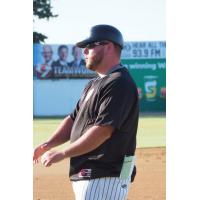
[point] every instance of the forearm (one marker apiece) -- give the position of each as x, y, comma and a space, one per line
62, 133
93, 138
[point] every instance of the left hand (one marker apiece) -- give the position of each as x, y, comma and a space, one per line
51, 157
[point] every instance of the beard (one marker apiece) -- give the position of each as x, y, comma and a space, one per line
92, 63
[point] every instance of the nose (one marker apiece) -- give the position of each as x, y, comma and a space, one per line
85, 51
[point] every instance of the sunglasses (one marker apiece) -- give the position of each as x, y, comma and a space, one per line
95, 44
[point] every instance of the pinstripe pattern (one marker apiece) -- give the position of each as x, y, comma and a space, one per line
96, 188
107, 191
109, 188
117, 189
120, 191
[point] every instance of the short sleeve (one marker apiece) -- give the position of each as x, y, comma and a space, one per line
116, 101
75, 111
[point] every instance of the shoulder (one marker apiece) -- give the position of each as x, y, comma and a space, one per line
119, 82
90, 83
120, 77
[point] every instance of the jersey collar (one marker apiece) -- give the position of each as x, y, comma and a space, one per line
114, 68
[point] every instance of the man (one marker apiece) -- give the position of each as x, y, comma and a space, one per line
78, 61
102, 128
60, 67
44, 71
78, 64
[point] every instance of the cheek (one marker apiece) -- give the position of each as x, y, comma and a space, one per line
89, 54
92, 54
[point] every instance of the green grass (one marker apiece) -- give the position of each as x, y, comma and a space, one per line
43, 129
151, 131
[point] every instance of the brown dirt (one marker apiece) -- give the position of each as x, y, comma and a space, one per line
53, 183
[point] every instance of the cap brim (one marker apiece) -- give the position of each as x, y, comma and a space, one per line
84, 43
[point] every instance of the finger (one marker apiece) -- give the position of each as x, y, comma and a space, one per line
36, 155
43, 160
35, 158
34, 162
48, 164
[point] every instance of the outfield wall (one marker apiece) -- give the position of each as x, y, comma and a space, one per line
59, 97
56, 97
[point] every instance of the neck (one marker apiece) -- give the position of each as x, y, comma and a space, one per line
105, 67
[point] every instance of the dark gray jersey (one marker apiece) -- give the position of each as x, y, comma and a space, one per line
111, 100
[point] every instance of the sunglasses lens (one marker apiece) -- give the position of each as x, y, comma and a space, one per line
92, 45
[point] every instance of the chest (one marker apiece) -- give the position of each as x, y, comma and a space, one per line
90, 102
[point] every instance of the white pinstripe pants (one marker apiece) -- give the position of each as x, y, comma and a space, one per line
109, 188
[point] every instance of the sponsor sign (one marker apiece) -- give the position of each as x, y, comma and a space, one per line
146, 62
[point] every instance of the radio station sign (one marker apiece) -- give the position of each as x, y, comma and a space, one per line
146, 62
144, 50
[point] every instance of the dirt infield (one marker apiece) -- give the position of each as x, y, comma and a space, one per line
53, 183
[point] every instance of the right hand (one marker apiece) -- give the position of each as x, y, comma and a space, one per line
39, 151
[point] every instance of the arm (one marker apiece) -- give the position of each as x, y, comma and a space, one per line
93, 138
62, 133
60, 136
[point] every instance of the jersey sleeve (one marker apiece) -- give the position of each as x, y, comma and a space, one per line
115, 103
75, 111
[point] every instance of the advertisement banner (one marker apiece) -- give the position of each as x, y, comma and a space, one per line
146, 62
150, 77
144, 50
59, 61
